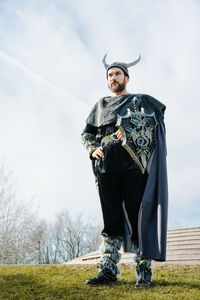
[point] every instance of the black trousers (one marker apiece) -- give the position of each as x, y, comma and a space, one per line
114, 189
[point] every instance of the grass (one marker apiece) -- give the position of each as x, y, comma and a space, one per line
68, 282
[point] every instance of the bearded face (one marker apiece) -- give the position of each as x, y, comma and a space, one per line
117, 87
117, 80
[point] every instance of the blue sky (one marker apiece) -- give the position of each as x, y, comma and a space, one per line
51, 75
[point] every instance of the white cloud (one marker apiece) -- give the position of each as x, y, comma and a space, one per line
51, 75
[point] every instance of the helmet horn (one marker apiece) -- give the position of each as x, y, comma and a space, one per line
104, 62
134, 62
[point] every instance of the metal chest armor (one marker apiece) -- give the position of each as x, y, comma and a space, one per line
139, 134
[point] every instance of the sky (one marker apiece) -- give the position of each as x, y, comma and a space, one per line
51, 75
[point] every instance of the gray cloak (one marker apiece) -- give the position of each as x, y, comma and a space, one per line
152, 220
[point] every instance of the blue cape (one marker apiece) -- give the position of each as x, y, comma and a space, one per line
152, 220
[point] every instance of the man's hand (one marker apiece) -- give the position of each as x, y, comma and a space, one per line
98, 153
119, 135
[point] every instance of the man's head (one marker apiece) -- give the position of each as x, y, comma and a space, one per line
117, 80
118, 75
120, 65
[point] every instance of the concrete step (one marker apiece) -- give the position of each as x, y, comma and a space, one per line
179, 261
183, 252
179, 234
94, 257
183, 238
183, 256
125, 254
183, 247
194, 250
183, 242
92, 254
189, 229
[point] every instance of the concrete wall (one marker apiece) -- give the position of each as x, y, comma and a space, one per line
183, 247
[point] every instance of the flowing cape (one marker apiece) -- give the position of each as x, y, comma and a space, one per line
152, 220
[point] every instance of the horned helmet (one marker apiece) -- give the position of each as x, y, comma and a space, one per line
122, 66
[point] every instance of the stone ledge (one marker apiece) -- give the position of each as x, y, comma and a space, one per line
181, 249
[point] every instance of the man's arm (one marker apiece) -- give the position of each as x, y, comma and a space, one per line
89, 141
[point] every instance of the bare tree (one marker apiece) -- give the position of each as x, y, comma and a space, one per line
74, 237
16, 223
26, 239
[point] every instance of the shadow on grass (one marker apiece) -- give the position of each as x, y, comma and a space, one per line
21, 286
157, 283
182, 284
24, 286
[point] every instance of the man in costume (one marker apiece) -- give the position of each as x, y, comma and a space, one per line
125, 138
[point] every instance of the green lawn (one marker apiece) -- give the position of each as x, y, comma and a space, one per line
68, 282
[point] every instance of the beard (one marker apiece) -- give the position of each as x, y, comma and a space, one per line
117, 87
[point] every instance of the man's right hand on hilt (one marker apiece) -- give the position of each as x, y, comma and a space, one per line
98, 153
